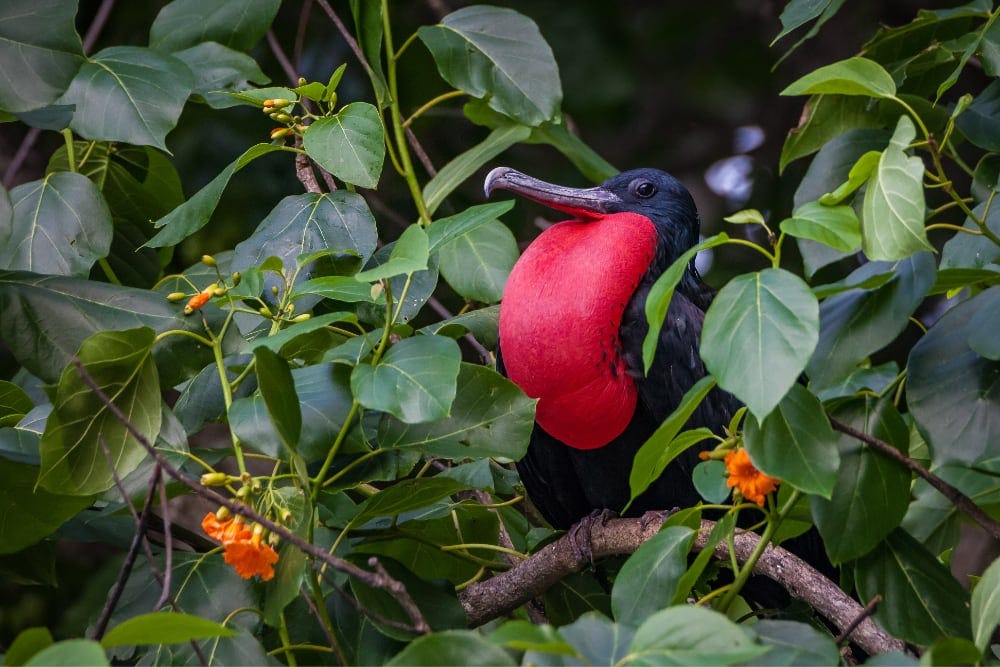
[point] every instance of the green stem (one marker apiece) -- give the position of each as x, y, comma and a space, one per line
182, 332
286, 643
487, 547
324, 616
70, 150
750, 244
227, 395
431, 104
108, 271
317, 484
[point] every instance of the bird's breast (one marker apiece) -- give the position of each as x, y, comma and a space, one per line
559, 324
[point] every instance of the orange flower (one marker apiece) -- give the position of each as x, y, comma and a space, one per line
750, 482
244, 550
200, 299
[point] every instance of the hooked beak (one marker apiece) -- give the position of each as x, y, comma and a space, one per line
583, 202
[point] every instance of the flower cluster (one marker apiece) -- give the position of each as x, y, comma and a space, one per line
244, 550
750, 482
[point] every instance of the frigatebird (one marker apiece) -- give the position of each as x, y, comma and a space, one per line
572, 323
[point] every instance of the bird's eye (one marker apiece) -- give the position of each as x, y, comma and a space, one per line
645, 189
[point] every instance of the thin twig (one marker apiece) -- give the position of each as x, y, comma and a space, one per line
300, 32
97, 25
304, 170
444, 313
420, 153
345, 33
168, 542
279, 55
959, 499
398, 591
314, 610
865, 613
365, 611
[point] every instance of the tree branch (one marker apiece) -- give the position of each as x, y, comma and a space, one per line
959, 499
508, 590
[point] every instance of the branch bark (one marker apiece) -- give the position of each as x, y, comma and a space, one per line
508, 590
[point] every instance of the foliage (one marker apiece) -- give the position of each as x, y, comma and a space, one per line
367, 447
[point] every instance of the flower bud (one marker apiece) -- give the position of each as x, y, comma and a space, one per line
208, 260
302, 81
289, 309
215, 479
274, 290
265, 311
176, 296
286, 516
223, 514
220, 291
333, 99
301, 318
279, 132
237, 277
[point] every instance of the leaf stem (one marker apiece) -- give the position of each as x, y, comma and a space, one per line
70, 149
430, 104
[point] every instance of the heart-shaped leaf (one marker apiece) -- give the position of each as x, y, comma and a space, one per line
350, 145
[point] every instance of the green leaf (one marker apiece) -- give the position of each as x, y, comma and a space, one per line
664, 445
794, 643
278, 389
525, 636
952, 651
468, 162
857, 323
276, 341
575, 596
979, 122
892, 218
219, 70
748, 216
452, 648
595, 640
407, 495
824, 117
483, 323
556, 134
951, 391
759, 333
984, 325
446, 230
368, 19
986, 606
239, 26
195, 213
499, 54
967, 251
40, 52
14, 403
649, 579
723, 528
797, 13
689, 635
337, 288
409, 255
163, 628
70, 653
921, 601
872, 491
853, 76
709, 478
61, 226
662, 291
835, 226
129, 94
859, 174
27, 643
350, 145
255, 97
28, 514
415, 381
795, 443
490, 417
73, 456
477, 264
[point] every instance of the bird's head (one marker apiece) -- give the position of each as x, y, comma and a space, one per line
651, 193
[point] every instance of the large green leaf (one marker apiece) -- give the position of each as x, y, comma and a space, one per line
823, 118
984, 325
61, 226
40, 52
892, 218
794, 643
195, 213
69, 653
46, 318
477, 264
415, 381
979, 122
28, 514
219, 70
80, 426
871, 493
129, 94
650, 577
499, 54
986, 606
278, 391
407, 495
163, 628
835, 226
857, 323
969, 251
452, 648
350, 145
445, 230
595, 639
408, 254
758, 336
921, 601
490, 417
237, 25
483, 323
795, 443
952, 392
689, 635
853, 76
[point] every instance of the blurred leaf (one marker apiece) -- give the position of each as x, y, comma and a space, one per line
278, 390
368, 19
409, 254
967, 251
933, 519
649, 579
40, 52
14, 403
60, 226
722, 528
218, 70
973, 41
490, 417
184, 23
980, 121
70, 653
853, 76
759, 333
255, 97
145, 90
871, 494
986, 177
27, 643
28, 514
525, 636
709, 478
595, 639
952, 392
415, 381
952, 651
590, 163
984, 324
892, 220
499, 54
452, 648
824, 117
163, 628
836, 226
350, 145
795, 443
477, 264
73, 457
687, 635
573, 597
794, 643
446, 230
921, 601
195, 213
986, 606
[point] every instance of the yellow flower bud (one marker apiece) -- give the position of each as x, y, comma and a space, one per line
265, 311
220, 291
176, 296
223, 514
301, 318
208, 260
215, 479
333, 99
237, 277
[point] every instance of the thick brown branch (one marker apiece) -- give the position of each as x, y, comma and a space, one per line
959, 499
505, 592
